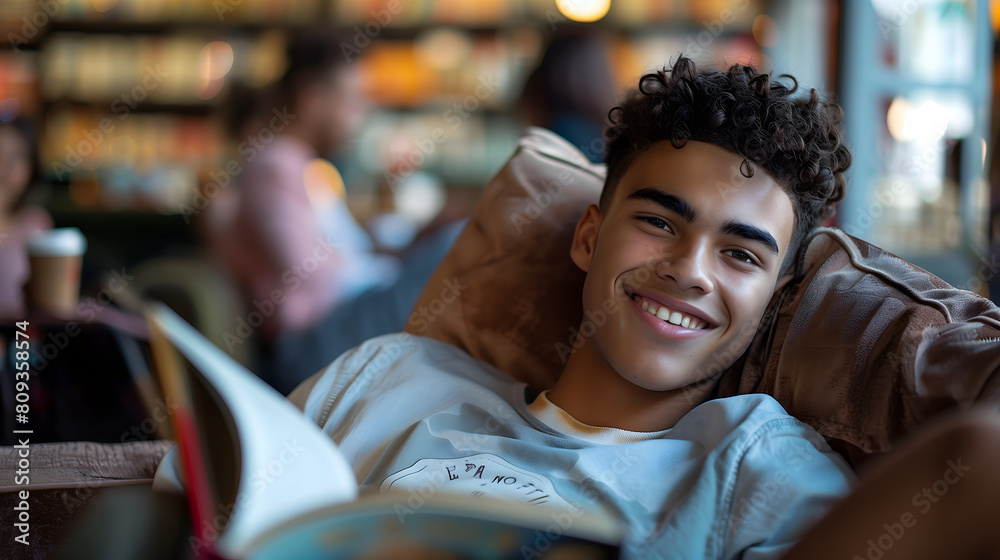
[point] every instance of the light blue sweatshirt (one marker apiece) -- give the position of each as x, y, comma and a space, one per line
734, 478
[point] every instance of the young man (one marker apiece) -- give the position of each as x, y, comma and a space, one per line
690, 242
713, 180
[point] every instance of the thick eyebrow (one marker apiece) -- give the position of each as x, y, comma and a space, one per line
673, 203
681, 207
751, 233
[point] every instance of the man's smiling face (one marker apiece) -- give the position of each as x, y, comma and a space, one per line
688, 250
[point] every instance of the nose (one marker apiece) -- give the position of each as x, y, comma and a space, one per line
690, 265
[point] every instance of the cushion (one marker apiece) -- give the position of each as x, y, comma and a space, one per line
861, 344
507, 292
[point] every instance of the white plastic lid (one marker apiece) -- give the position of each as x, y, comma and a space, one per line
58, 242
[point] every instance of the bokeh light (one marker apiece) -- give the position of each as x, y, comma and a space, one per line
214, 62
444, 49
103, 5
765, 31
584, 10
907, 121
323, 183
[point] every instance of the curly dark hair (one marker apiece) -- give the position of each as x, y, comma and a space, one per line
797, 139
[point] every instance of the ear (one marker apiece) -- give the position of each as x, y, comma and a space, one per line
782, 280
585, 237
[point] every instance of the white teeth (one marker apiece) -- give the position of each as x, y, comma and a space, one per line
673, 317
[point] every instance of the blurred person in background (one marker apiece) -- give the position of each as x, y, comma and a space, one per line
18, 218
570, 90
284, 229
277, 220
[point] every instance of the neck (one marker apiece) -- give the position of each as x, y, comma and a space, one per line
591, 391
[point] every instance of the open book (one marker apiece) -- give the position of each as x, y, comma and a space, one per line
265, 482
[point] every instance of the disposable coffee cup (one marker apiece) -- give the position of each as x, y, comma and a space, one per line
55, 257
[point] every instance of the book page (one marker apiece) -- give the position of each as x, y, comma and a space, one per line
287, 466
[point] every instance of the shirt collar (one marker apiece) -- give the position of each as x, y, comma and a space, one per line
551, 415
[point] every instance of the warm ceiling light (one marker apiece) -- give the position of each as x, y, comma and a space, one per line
584, 10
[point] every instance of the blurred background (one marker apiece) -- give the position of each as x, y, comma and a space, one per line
286, 174
145, 114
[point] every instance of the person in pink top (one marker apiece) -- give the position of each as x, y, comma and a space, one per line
276, 236
17, 218
285, 232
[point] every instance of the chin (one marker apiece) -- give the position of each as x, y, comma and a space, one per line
662, 375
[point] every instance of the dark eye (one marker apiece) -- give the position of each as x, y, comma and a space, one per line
741, 256
656, 222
